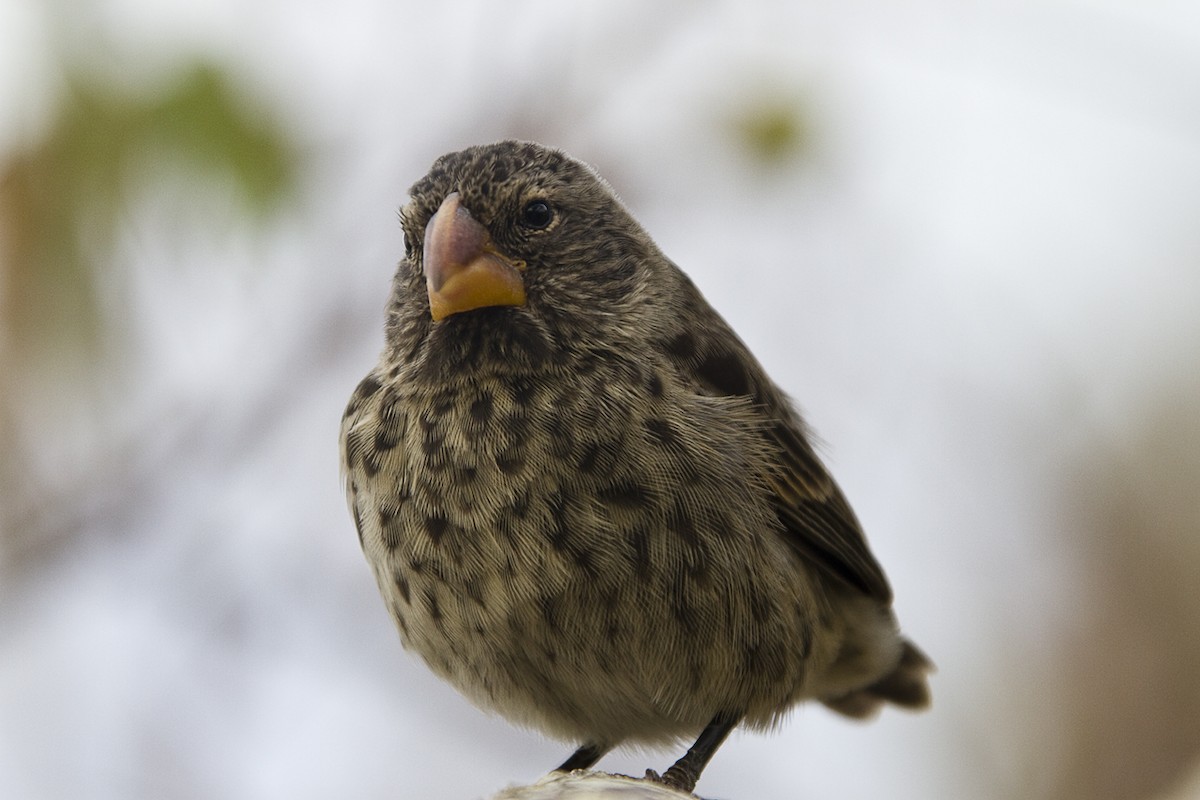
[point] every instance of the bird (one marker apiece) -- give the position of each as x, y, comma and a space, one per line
585, 503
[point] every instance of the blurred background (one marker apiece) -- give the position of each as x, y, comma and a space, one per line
965, 236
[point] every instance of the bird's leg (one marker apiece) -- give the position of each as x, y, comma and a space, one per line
587, 755
684, 773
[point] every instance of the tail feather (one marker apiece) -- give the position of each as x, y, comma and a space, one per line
906, 686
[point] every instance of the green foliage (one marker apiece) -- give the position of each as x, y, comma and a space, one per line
62, 199
772, 129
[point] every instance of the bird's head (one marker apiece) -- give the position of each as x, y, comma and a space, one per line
520, 249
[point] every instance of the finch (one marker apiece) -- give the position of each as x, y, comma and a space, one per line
585, 503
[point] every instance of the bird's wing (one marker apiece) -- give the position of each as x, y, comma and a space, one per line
818, 520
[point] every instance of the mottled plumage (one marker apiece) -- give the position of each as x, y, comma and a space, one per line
585, 503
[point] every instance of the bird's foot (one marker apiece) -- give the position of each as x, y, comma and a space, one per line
674, 781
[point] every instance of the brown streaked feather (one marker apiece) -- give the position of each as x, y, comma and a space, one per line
819, 521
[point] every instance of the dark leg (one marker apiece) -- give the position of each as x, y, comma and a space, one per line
584, 757
684, 773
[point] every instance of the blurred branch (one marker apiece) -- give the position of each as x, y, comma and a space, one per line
62, 202
1128, 670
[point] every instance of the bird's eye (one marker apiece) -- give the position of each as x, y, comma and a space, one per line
537, 215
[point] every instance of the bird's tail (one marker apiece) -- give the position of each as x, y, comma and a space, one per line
906, 686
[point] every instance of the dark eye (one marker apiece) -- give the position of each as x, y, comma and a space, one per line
537, 215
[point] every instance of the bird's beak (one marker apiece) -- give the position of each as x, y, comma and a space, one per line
463, 268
